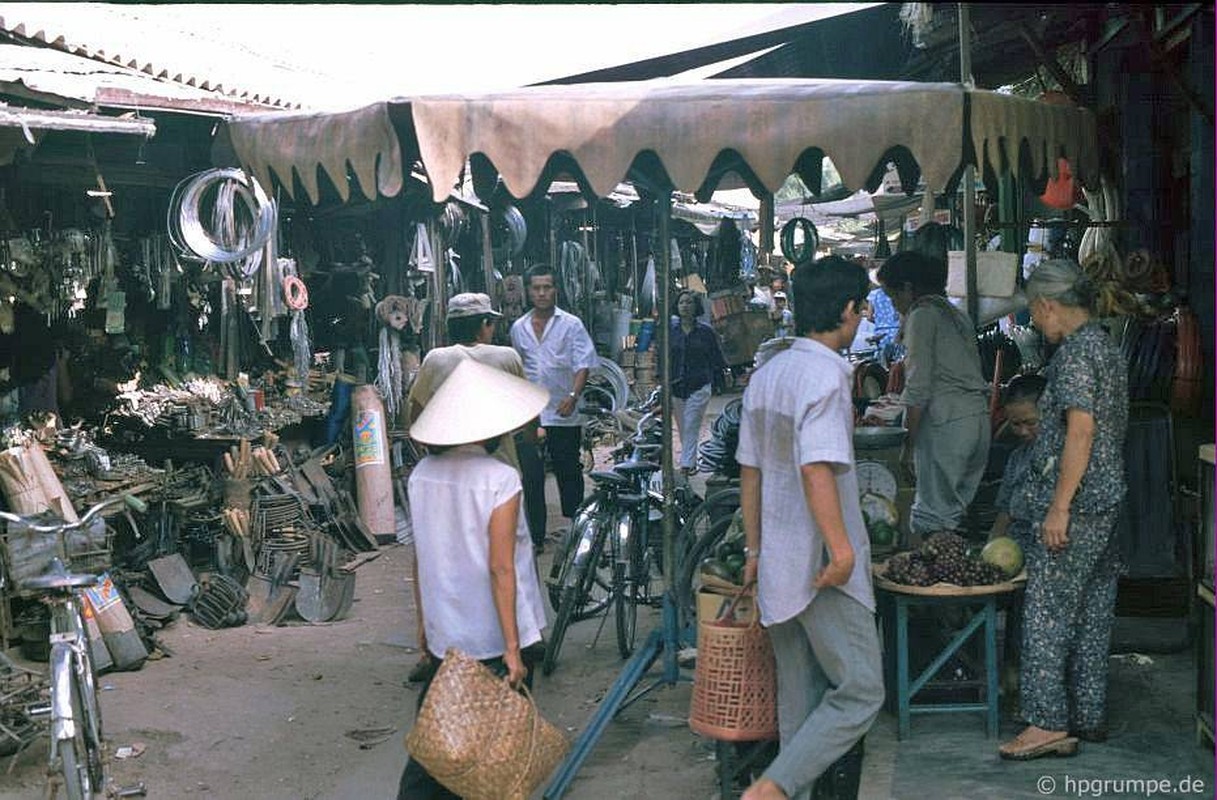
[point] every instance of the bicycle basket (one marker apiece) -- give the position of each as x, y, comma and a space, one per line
27, 554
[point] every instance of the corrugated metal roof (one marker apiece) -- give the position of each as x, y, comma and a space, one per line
62, 75
339, 57
151, 42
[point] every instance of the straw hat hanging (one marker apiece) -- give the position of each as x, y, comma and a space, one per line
475, 403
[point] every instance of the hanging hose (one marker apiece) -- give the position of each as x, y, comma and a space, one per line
295, 293
811, 240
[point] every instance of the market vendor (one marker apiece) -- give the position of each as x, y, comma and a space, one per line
945, 395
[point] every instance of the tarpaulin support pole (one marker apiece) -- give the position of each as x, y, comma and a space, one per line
969, 172
662, 641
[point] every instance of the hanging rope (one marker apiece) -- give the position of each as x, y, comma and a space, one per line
390, 380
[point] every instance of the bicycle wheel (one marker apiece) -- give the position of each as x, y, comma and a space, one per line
571, 601
689, 580
635, 586
90, 718
718, 504
74, 754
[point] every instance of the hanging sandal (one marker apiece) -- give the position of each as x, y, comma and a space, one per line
1063, 746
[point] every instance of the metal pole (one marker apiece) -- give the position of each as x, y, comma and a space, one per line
665, 382
969, 172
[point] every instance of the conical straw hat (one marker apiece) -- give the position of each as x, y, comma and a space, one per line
475, 403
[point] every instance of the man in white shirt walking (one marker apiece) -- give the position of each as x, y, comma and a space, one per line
558, 354
806, 540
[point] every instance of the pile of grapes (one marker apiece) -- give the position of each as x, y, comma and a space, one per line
942, 558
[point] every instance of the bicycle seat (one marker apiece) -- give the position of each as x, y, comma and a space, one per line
58, 577
637, 468
611, 479
647, 449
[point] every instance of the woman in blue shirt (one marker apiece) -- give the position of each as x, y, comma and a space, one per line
696, 359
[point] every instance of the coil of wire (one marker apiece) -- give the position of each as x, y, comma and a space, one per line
243, 216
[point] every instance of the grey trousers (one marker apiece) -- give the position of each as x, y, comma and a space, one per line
950, 458
830, 687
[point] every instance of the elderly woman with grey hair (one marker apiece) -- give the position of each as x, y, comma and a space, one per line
1071, 491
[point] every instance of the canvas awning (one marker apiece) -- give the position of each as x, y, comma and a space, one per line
694, 132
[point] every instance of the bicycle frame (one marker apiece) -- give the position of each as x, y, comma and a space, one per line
70, 660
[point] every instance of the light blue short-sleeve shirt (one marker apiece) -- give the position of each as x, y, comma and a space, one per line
798, 410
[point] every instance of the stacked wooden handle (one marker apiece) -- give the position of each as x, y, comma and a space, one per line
243, 461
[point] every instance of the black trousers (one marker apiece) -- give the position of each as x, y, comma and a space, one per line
416, 783
562, 443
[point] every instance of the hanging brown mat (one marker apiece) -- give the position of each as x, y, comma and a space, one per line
480, 738
735, 683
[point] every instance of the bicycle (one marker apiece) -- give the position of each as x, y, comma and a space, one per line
77, 748
608, 556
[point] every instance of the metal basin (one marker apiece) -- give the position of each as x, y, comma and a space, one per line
876, 437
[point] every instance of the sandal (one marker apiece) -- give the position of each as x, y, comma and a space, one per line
1019, 749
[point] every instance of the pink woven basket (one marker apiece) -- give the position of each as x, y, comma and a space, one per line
735, 683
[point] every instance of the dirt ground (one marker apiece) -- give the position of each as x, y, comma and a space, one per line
266, 712
295, 712
319, 712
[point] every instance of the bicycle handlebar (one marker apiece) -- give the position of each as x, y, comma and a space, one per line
131, 500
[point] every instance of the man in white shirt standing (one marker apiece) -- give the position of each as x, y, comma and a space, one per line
558, 354
806, 540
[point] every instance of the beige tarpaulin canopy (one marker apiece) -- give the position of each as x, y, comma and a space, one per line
673, 135
695, 132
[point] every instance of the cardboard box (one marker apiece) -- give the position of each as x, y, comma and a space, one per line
711, 603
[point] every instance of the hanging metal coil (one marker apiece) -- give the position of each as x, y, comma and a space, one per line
233, 238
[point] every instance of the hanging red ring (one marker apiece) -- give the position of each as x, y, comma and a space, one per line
295, 293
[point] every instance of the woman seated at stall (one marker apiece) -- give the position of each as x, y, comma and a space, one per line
946, 397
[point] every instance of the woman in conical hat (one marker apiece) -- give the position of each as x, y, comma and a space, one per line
477, 581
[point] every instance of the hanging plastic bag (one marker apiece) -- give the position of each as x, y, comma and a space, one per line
421, 258
646, 297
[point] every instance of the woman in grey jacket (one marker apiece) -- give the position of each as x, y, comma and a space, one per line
945, 395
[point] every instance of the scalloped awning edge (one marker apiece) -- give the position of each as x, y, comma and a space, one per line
364, 139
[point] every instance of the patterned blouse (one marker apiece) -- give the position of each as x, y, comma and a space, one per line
1087, 372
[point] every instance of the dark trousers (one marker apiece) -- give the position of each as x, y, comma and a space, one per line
416, 783
532, 475
562, 443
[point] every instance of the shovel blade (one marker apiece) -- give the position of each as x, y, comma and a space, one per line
259, 589
337, 593
173, 575
310, 604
